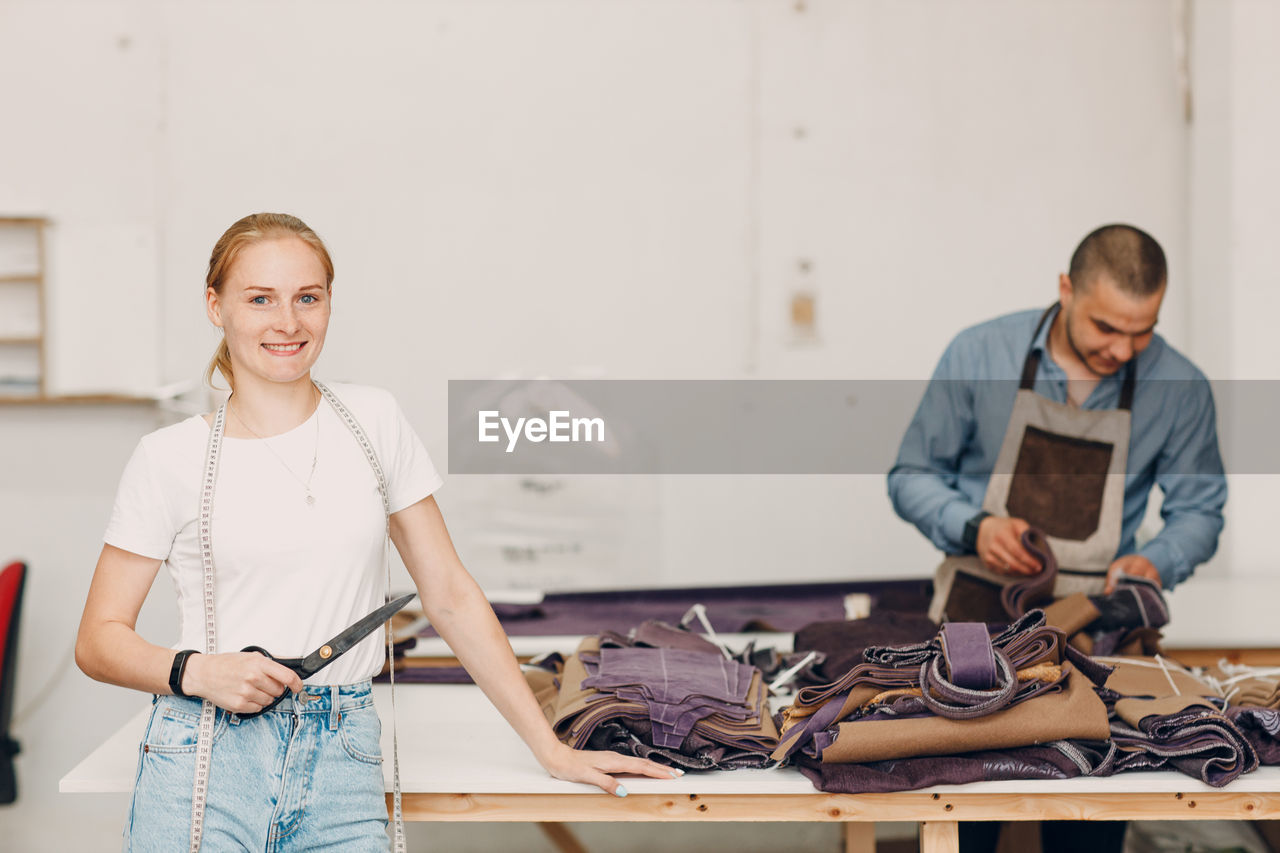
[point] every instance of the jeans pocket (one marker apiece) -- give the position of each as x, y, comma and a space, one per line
361, 734
176, 728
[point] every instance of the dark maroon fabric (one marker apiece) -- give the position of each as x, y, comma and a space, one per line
909, 774
1020, 596
1261, 727
842, 643
634, 737
775, 607
1204, 743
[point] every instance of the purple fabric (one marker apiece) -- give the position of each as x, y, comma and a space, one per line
1021, 596
1135, 603
1026, 641
1200, 742
427, 675
1261, 727
971, 661
842, 643
679, 687
775, 607
1058, 760
634, 737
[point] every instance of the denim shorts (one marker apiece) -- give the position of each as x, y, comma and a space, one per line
306, 775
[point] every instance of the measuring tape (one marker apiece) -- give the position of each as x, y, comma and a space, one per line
204, 741
365, 445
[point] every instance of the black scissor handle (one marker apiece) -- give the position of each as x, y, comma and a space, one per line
283, 662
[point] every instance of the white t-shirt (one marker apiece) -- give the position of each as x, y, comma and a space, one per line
288, 576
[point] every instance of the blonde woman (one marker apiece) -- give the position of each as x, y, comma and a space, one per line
283, 499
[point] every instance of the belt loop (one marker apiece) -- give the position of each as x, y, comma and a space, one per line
335, 714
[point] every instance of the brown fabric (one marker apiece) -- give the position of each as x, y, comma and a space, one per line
1256, 692
1140, 642
1071, 614
577, 711
1148, 679
1081, 642
1134, 711
974, 598
1075, 712
1058, 483
546, 689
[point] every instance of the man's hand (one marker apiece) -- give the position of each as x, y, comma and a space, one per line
1133, 564
1000, 547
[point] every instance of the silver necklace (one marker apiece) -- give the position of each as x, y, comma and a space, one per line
315, 455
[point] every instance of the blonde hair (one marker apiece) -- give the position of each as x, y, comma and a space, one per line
254, 228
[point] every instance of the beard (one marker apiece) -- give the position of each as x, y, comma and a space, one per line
1089, 360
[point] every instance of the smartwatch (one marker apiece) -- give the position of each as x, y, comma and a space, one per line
970, 537
178, 668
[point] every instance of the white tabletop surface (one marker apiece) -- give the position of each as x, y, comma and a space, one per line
453, 741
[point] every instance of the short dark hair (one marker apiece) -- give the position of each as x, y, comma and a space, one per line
1131, 256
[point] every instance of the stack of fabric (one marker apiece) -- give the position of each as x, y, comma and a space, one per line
1004, 704
1164, 717
682, 703
903, 719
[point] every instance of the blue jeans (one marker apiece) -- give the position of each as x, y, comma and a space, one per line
306, 775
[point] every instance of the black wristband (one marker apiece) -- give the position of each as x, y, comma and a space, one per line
971, 526
178, 668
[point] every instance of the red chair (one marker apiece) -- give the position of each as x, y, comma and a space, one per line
12, 578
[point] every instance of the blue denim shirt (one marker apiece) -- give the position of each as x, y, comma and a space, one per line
951, 446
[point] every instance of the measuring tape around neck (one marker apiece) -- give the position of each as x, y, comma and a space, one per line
204, 742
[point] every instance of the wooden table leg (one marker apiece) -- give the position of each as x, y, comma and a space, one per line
859, 837
562, 837
939, 836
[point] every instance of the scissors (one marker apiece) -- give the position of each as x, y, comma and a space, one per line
332, 650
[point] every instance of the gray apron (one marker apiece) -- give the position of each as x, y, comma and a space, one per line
1062, 469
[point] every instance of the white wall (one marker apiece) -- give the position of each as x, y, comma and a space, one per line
621, 190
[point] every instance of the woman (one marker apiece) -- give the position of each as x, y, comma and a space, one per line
283, 499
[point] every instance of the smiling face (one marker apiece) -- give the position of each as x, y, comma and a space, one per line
273, 309
1105, 326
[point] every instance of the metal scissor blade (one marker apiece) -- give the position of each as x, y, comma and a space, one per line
348, 637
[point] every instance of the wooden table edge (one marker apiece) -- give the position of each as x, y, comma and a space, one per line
897, 806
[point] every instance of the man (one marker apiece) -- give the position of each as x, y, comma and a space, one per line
1064, 419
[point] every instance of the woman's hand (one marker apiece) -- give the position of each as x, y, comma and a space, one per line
595, 767
241, 682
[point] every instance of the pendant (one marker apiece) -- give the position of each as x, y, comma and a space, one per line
311, 499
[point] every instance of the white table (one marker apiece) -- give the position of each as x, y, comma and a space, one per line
459, 761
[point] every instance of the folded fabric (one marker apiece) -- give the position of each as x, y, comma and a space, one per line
1027, 642
1246, 686
970, 658
1032, 649
843, 642
1261, 727
1198, 741
1154, 677
1133, 710
1164, 716
679, 687
1071, 614
582, 715
695, 753
1054, 760
1135, 603
1074, 712
1020, 596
